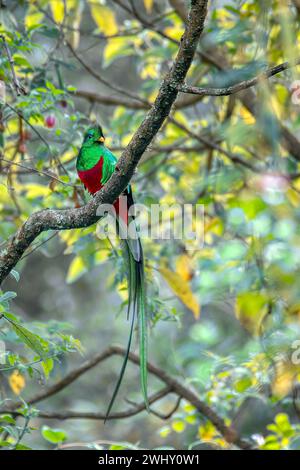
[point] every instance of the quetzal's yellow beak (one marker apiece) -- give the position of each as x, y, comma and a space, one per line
101, 139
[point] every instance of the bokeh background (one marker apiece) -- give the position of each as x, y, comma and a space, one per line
224, 319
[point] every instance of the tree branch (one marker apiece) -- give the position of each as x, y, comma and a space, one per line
133, 103
109, 100
193, 90
52, 219
172, 386
138, 408
230, 90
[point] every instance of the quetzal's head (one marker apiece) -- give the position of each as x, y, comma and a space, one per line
94, 135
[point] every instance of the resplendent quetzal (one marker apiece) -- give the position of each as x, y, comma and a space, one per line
95, 165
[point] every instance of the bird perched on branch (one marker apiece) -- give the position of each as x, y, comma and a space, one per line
95, 165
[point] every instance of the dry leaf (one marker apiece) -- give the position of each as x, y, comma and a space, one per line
182, 290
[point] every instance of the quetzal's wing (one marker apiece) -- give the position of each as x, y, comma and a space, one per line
109, 165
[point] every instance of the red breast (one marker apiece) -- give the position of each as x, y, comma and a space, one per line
92, 178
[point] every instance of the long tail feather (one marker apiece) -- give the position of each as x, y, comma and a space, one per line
143, 333
136, 303
130, 276
123, 368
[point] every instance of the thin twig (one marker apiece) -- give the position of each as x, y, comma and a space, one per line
102, 80
39, 245
39, 172
20, 90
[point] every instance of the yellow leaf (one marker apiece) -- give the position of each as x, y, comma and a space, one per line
73, 20
76, 269
213, 227
207, 432
148, 5
182, 290
112, 49
178, 426
123, 290
174, 32
70, 238
104, 18
188, 408
247, 117
285, 374
4, 195
33, 16
191, 419
250, 309
36, 190
58, 10
101, 256
184, 267
16, 382
165, 431
293, 197
72, 4
149, 69
118, 47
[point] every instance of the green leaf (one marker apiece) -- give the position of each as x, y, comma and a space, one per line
115, 48
5, 443
55, 436
243, 384
47, 366
76, 270
21, 61
104, 17
7, 419
33, 341
22, 447
250, 309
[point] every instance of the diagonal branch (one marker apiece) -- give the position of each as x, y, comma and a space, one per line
52, 219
